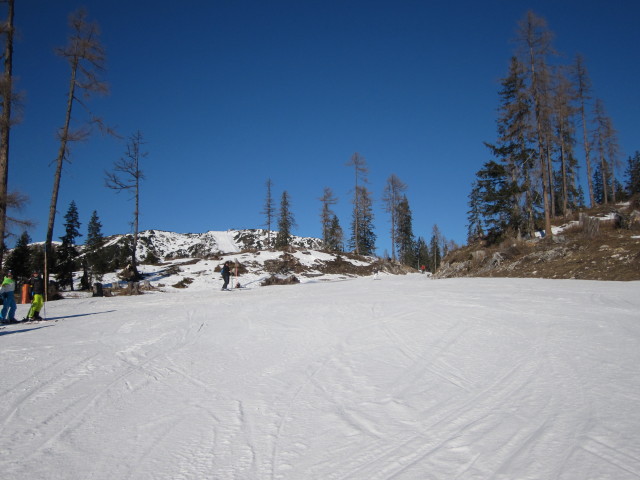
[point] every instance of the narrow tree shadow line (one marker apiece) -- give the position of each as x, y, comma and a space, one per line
78, 315
24, 330
39, 325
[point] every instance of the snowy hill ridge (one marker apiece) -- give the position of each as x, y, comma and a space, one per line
171, 245
193, 260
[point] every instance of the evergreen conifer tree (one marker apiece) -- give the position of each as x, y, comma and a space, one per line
269, 211
475, 230
19, 260
335, 237
286, 222
359, 201
633, 174
363, 237
404, 237
392, 197
515, 153
598, 189
327, 216
422, 253
95, 256
37, 258
435, 250
494, 195
67, 253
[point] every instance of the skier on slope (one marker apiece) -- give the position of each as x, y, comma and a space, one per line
37, 290
226, 274
8, 300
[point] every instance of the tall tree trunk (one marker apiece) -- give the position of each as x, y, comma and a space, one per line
587, 155
356, 214
583, 92
542, 155
563, 161
62, 153
136, 215
536, 41
550, 179
5, 122
604, 171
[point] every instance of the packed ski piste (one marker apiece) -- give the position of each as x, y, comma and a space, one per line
405, 377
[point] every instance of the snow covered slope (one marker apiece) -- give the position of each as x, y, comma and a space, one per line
403, 378
184, 245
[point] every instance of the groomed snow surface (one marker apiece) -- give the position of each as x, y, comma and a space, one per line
400, 378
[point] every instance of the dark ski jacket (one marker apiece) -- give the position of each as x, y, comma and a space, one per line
225, 272
37, 285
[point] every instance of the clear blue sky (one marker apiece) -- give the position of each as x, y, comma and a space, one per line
230, 93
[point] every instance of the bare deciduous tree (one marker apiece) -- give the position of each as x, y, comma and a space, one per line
359, 165
126, 176
583, 92
392, 197
605, 143
535, 41
564, 112
6, 91
86, 57
326, 214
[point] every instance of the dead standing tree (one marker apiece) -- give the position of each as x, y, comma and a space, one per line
535, 42
359, 165
327, 216
127, 175
269, 211
6, 92
392, 197
86, 57
583, 87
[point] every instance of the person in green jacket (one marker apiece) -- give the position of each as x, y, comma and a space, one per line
8, 299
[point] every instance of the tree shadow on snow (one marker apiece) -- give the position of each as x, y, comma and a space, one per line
78, 315
3, 332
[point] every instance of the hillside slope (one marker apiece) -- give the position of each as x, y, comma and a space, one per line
193, 260
579, 250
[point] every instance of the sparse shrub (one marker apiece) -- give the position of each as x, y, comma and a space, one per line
151, 258
273, 280
172, 270
184, 283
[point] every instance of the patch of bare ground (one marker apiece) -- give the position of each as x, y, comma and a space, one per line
605, 250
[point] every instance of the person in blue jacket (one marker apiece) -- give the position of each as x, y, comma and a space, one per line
7, 291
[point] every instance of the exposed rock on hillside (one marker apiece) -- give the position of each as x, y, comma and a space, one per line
583, 249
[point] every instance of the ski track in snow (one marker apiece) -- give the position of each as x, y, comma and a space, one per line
404, 378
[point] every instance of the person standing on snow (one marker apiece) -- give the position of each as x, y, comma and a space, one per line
37, 290
8, 299
226, 274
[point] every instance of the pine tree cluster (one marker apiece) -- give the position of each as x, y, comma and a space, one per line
533, 176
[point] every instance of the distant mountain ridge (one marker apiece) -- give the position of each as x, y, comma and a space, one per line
170, 245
